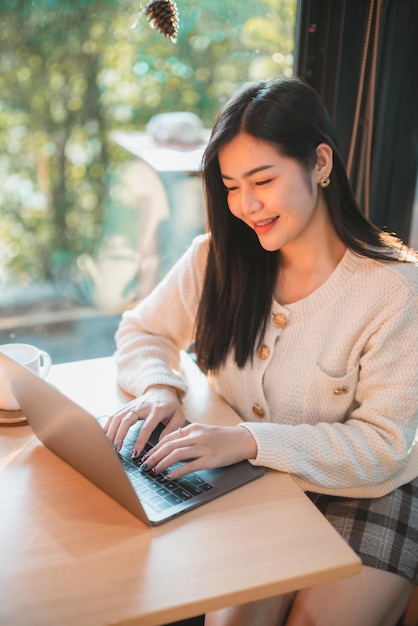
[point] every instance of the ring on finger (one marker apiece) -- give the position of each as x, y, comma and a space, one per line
180, 431
135, 413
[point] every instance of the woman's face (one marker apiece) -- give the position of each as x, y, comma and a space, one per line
271, 193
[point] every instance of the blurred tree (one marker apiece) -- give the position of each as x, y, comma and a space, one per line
55, 148
71, 71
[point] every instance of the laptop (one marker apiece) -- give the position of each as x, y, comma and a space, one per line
78, 438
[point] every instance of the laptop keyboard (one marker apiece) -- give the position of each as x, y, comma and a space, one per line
157, 490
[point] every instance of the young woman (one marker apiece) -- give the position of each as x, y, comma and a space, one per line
306, 316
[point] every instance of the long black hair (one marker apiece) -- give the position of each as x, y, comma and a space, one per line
241, 275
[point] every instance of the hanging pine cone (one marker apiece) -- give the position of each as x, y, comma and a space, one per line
163, 15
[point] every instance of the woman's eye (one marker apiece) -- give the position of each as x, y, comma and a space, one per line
263, 182
228, 189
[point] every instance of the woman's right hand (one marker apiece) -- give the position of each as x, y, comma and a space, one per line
157, 404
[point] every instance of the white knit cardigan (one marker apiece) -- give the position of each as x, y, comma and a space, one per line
332, 395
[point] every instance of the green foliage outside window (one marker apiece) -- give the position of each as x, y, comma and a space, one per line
72, 71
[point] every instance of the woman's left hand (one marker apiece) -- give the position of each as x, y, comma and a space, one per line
202, 447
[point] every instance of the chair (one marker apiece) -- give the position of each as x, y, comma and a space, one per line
139, 188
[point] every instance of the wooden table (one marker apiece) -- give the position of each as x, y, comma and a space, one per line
72, 556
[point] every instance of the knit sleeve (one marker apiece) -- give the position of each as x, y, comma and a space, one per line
150, 336
376, 442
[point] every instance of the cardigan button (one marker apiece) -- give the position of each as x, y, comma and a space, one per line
258, 410
279, 320
340, 391
263, 352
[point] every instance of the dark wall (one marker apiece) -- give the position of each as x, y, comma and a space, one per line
330, 44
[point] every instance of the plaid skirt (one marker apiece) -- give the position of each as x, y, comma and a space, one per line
382, 531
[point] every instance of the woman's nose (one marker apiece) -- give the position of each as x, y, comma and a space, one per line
250, 204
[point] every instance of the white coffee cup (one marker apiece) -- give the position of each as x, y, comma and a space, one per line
31, 357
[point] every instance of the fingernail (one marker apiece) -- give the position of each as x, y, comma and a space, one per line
134, 454
115, 447
143, 467
144, 458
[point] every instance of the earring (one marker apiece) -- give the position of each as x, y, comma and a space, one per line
325, 181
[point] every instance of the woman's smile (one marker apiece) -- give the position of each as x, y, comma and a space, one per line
264, 226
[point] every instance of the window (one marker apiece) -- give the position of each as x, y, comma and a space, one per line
87, 222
